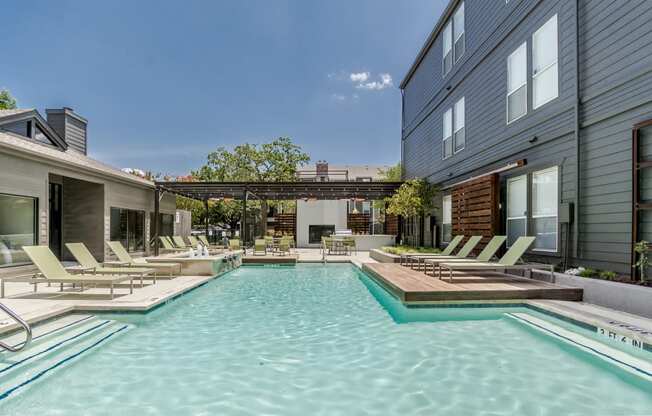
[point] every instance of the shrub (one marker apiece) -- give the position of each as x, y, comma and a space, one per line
398, 250
588, 273
607, 275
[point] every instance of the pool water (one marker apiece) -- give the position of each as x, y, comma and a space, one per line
325, 340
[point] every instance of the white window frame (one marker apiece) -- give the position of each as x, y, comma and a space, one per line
524, 84
457, 128
550, 67
447, 34
460, 9
533, 216
519, 217
447, 202
448, 114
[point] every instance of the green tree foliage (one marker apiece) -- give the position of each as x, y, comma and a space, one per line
414, 197
276, 161
393, 173
7, 101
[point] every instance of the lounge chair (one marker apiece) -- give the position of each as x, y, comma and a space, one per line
406, 258
284, 246
260, 246
234, 245
178, 241
194, 243
508, 261
463, 253
88, 264
125, 260
205, 241
54, 272
169, 247
485, 255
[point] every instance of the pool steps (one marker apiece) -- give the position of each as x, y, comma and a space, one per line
617, 357
55, 343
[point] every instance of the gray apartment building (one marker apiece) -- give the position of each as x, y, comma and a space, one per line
534, 118
52, 193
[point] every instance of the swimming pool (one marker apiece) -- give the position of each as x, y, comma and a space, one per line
325, 340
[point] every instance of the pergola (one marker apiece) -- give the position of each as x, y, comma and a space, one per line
270, 191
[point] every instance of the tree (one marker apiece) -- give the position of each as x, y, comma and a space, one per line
276, 161
393, 173
7, 101
414, 197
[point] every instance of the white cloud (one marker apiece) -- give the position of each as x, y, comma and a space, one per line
338, 97
385, 82
359, 76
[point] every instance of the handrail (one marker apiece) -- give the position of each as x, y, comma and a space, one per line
21, 322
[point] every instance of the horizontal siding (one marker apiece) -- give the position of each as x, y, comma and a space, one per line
76, 134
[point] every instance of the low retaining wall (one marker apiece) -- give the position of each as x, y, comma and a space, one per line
620, 296
382, 257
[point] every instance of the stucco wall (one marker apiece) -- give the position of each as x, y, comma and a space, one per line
318, 213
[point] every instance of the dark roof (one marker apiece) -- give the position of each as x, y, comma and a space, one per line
11, 116
452, 4
282, 190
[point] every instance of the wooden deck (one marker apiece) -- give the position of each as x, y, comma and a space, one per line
270, 259
413, 286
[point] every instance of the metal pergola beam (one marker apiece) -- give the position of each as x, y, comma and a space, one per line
282, 190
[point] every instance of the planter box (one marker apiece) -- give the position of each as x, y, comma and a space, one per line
620, 296
382, 257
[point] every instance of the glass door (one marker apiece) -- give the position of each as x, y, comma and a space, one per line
516, 208
55, 205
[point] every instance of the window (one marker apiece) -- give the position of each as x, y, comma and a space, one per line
544, 64
516, 208
448, 134
447, 43
128, 227
517, 83
165, 224
17, 228
447, 219
458, 29
459, 125
544, 209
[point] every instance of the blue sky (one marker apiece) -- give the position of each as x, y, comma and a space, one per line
163, 83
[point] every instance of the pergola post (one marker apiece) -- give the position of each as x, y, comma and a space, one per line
243, 223
206, 222
157, 198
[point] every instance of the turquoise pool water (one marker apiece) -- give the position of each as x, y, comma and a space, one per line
314, 340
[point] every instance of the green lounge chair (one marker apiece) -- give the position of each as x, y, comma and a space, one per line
485, 255
125, 260
284, 246
89, 264
169, 247
260, 246
508, 261
408, 257
194, 243
179, 243
54, 272
205, 241
464, 252
234, 245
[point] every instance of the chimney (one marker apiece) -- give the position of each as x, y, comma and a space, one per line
322, 168
70, 126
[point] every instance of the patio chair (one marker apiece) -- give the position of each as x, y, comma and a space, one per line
350, 245
234, 245
508, 261
284, 247
487, 253
406, 258
260, 246
125, 260
54, 272
205, 241
169, 247
194, 243
178, 241
463, 253
88, 264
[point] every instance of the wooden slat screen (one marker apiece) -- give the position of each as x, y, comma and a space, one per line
285, 223
358, 223
475, 208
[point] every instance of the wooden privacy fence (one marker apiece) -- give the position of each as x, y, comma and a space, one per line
475, 208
